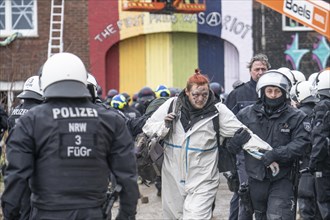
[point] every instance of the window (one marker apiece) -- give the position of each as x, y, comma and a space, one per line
18, 16
289, 24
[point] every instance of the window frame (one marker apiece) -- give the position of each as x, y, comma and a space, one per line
297, 28
23, 32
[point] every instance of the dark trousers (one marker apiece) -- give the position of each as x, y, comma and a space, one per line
272, 200
323, 195
308, 208
236, 211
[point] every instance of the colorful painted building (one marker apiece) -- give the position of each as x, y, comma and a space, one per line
130, 49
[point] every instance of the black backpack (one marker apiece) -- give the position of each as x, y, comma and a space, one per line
149, 150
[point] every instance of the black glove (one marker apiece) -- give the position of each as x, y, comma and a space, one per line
235, 143
269, 157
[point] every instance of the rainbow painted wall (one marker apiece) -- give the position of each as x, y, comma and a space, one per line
129, 50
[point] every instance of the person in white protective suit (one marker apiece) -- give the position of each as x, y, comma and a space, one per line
190, 176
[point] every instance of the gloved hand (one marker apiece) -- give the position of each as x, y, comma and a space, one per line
235, 143
269, 157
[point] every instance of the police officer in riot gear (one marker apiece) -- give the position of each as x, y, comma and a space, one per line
92, 86
243, 95
286, 129
302, 98
66, 148
120, 103
30, 97
145, 97
320, 156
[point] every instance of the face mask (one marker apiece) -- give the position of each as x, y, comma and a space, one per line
274, 103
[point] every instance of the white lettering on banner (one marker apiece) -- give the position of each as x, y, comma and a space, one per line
238, 27
76, 112
158, 18
212, 19
77, 127
75, 151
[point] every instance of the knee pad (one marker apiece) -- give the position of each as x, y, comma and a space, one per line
279, 208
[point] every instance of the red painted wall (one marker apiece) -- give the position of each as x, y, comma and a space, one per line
103, 33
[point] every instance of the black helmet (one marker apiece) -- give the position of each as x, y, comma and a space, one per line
216, 88
135, 97
174, 91
146, 94
127, 97
112, 93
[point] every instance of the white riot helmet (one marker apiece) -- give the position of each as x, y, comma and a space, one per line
92, 81
64, 75
273, 78
31, 89
302, 92
288, 73
299, 76
312, 77
321, 84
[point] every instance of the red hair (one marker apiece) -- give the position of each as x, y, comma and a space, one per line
198, 78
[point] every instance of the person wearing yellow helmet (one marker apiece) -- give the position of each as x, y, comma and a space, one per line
162, 91
120, 102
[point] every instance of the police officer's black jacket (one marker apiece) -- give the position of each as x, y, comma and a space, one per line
66, 148
130, 112
286, 131
320, 156
307, 108
20, 110
242, 96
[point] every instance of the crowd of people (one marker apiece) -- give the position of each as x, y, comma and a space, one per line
270, 137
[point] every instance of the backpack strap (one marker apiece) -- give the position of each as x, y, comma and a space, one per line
216, 127
170, 109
